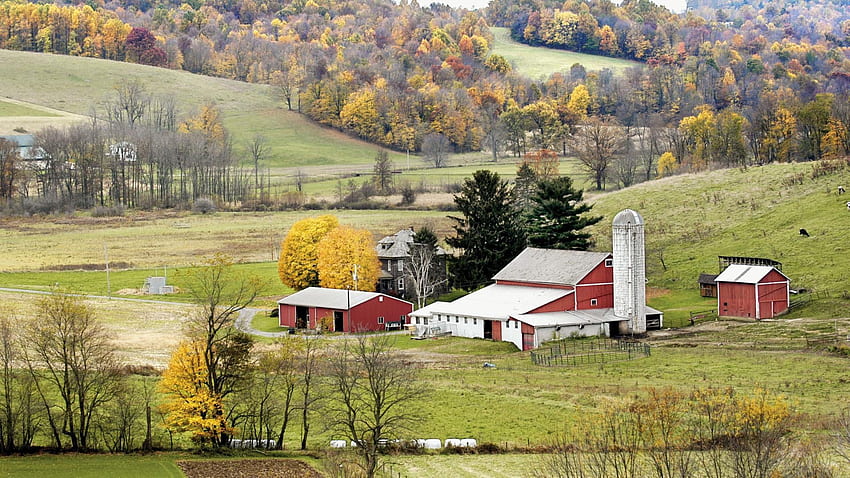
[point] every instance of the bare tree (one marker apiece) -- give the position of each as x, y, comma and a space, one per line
129, 105
259, 149
310, 393
842, 435
9, 168
383, 170
436, 149
69, 356
423, 271
374, 392
597, 143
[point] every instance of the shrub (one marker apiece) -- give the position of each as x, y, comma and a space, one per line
204, 206
108, 211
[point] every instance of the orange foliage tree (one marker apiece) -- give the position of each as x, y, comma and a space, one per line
298, 264
341, 252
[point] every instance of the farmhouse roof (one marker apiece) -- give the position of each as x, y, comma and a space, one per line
497, 302
550, 266
744, 274
340, 299
398, 245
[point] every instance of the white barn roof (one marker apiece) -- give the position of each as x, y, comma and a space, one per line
341, 299
497, 302
745, 274
570, 317
550, 266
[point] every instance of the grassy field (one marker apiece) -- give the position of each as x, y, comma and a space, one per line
77, 85
540, 62
8, 108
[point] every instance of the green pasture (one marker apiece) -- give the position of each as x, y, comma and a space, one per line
540, 62
13, 109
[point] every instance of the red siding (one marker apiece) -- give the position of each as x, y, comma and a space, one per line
736, 300
739, 300
557, 305
497, 330
365, 316
599, 275
361, 317
603, 293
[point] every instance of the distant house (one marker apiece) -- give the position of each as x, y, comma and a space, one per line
27, 150
394, 252
756, 291
342, 310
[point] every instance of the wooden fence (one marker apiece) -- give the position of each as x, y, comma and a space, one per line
570, 352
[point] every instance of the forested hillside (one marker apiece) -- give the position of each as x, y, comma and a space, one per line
714, 87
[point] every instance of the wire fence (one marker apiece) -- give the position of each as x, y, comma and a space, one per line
569, 352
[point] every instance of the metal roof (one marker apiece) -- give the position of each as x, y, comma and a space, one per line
497, 301
707, 279
744, 274
398, 245
551, 266
627, 217
570, 317
340, 299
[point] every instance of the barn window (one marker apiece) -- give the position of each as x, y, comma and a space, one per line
466, 320
593, 302
516, 324
380, 320
417, 321
401, 319
474, 321
609, 262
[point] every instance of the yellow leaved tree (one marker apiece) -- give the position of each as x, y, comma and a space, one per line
341, 252
189, 405
298, 264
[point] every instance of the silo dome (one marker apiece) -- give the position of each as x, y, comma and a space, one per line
628, 217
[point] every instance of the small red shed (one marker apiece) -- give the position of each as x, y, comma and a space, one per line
343, 310
759, 292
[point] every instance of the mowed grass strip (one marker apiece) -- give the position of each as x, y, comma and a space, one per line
91, 466
8, 108
540, 62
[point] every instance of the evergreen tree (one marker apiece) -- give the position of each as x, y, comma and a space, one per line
557, 216
489, 235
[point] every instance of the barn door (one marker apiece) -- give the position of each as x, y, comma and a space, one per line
488, 329
527, 341
338, 324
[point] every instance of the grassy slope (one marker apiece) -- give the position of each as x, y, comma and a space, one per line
14, 109
540, 62
78, 85
691, 219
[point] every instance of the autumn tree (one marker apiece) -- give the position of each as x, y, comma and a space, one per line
190, 406
488, 235
298, 264
544, 162
557, 217
70, 358
20, 412
221, 292
141, 47
374, 390
347, 259
667, 164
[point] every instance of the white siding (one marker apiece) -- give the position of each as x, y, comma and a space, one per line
512, 332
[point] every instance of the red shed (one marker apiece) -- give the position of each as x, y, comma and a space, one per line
759, 292
345, 310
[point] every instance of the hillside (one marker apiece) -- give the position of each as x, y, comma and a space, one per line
79, 85
540, 62
693, 218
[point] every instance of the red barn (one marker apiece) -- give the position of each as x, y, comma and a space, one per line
759, 292
343, 310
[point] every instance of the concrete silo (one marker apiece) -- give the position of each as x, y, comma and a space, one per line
629, 272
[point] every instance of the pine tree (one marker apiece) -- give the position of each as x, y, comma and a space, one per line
557, 216
489, 234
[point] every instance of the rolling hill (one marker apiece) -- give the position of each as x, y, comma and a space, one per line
82, 85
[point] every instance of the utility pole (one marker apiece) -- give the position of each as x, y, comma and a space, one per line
106, 258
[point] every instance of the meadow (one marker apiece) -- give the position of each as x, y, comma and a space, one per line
540, 62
